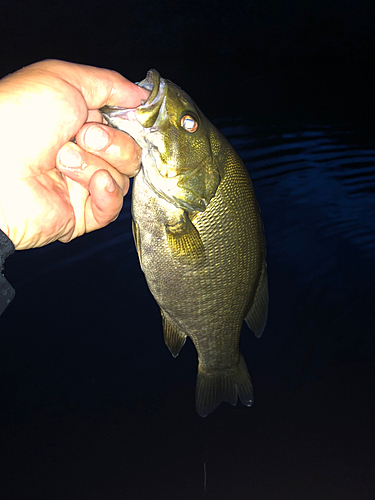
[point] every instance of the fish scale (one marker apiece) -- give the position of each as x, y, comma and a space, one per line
199, 237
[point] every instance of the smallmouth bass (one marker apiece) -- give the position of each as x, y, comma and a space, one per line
199, 237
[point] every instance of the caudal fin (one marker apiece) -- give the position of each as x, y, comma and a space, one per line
213, 389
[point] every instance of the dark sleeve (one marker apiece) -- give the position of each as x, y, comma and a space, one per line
6, 291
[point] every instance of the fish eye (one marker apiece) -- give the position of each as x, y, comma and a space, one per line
189, 123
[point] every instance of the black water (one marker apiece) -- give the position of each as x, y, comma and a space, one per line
94, 406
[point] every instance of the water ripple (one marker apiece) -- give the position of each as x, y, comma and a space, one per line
324, 171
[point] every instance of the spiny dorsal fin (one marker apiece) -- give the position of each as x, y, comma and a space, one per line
173, 336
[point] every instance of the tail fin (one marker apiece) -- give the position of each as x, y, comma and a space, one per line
213, 389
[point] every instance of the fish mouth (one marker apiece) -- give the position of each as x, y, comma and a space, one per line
146, 114
150, 83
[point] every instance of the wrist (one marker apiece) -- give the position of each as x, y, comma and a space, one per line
6, 248
6, 291
3, 225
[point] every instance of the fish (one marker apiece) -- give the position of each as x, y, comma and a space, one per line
199, 236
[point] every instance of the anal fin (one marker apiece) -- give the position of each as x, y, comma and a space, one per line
174, 338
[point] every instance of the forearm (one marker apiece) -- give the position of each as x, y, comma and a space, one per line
6, 291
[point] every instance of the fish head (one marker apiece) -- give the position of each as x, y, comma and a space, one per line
178, 160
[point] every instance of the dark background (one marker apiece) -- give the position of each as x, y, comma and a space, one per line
92, 404
267, 57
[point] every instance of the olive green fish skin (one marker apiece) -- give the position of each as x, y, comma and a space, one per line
200, 241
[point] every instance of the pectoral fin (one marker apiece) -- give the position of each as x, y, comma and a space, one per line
256, 318
184, 240
173, 336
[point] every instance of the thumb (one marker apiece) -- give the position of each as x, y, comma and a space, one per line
98, 86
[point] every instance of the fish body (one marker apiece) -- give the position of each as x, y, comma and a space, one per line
199, 237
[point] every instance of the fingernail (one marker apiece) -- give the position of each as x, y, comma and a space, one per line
106, 182
70, 157
111, 186
96, 138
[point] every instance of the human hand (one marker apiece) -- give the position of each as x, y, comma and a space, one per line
42, 107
